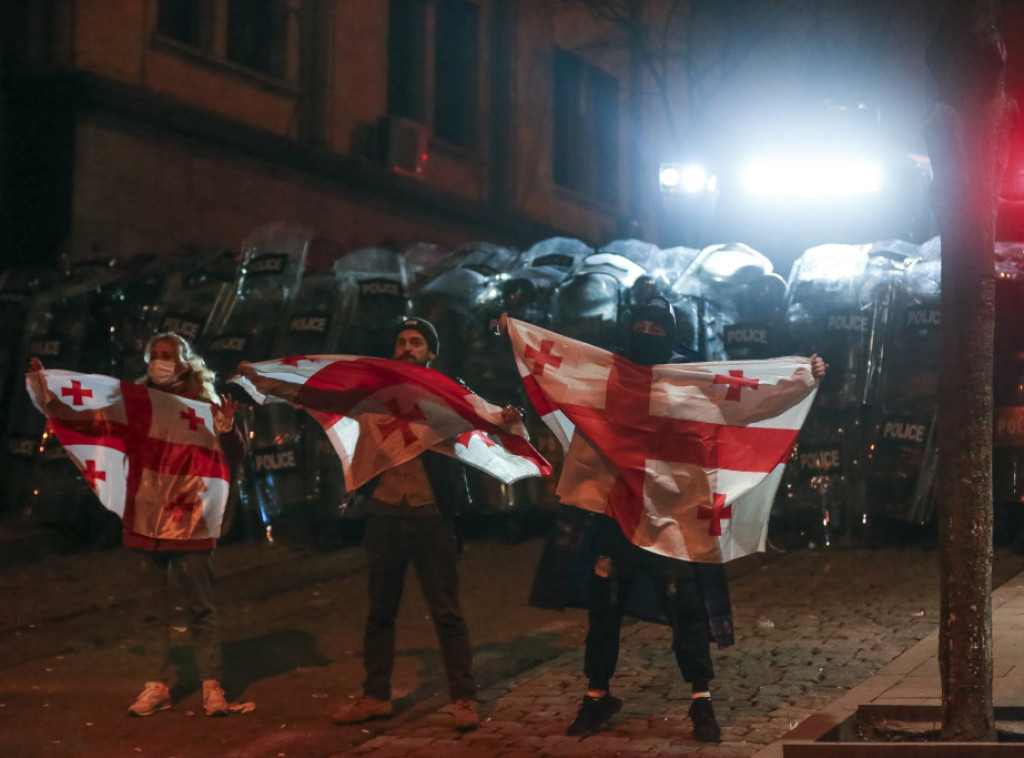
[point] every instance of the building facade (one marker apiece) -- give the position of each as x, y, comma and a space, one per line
135, 126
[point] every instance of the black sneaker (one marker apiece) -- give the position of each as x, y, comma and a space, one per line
593, 715
705, 726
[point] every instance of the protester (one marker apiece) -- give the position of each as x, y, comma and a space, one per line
182, 547
625, 579
410, 511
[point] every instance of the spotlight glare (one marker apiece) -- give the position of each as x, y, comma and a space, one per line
812, 178
693, 178
684, 177
669, 178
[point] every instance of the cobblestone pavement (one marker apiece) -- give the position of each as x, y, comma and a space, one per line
810, 626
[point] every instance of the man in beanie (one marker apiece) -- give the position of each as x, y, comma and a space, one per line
624, 579
425, 330
410, 512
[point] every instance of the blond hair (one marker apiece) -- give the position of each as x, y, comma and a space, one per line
199, 379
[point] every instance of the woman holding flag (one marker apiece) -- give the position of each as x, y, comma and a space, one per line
156, 452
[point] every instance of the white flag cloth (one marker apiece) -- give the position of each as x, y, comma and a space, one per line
685, 457
379, 413
151, 457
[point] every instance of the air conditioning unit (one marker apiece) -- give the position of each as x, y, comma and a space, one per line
402, 145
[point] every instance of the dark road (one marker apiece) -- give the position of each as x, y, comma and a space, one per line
810, 625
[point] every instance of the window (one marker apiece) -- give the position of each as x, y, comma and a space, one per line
255, 37
454, 51
586, 115
184, 21
254, 34
407, 57
455, 72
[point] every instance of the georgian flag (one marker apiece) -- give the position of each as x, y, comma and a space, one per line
379, 413
151, 457
685, 457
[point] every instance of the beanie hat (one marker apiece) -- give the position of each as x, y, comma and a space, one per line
659, 311
424, 327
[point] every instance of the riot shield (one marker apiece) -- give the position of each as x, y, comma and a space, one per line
268, 276
831, 311
18, 287
645, 254
1008, 447
463, 301
524, 293
592, 305
901, 454
758, 309
451, 300
374, 283
194, 295
146, 284
423, 261
694, 315
741, 302
71, 326
349, 309
27, 317
243, 326
1008, 392
295, 478
527, 289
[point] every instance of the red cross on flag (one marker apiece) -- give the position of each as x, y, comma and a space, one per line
151, 457
685, 457
379, 413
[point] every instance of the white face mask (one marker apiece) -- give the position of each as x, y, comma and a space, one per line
161, 372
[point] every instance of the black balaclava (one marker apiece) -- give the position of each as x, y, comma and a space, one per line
651, 349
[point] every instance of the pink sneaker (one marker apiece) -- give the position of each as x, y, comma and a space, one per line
156, 697
214, 702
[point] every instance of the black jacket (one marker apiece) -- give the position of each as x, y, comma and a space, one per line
562, 579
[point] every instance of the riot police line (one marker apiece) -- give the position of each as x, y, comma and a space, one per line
864, 462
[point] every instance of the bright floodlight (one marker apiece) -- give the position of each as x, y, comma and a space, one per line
694, 178
669, 177
683, 177
813, 178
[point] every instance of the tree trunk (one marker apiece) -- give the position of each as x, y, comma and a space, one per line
966, 134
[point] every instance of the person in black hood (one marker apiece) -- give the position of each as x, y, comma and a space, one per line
683, 589
691, 598
652, 333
